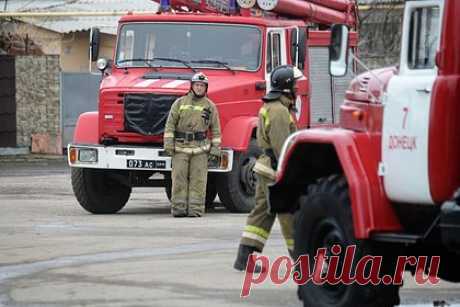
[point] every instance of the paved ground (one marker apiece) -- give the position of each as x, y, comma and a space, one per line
53, 253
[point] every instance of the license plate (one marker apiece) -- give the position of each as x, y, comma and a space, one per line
151, 164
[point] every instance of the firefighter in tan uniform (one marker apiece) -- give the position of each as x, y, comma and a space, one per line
274, 126
186, 140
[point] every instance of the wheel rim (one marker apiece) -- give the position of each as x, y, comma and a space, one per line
248, 177
327, 234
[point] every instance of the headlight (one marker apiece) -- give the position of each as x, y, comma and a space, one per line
87, 155
102, 64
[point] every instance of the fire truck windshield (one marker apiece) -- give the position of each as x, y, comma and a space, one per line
215, 46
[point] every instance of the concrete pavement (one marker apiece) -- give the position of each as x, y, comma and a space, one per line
53, 253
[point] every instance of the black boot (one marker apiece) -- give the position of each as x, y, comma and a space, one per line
241, 261
291, 254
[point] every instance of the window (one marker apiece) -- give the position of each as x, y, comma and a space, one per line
127, 46
423, 37
276, 47
273, 51
269, 54
150, 50
213, 46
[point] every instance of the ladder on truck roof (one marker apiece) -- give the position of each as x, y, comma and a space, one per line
325, 12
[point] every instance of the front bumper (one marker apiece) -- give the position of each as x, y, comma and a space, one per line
133, 158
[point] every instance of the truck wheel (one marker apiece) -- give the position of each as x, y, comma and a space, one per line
448, 265
325, 219
99, 191
237, 188
211, 190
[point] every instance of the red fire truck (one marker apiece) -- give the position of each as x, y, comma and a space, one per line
387, 180
236, 45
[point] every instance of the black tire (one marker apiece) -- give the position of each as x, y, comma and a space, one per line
211, 190
236, 189
98, 191
448, 265
325, 219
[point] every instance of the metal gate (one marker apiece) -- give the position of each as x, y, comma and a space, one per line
7, 101
79, 94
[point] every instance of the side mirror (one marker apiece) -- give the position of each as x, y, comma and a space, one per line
338, 51
94, 43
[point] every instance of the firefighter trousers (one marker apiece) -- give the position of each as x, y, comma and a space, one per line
189, 177
260, 221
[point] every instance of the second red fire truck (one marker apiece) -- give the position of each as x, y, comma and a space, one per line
387, 181
236, 45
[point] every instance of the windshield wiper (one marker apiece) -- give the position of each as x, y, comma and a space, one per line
147, 61
224, 64
185, 63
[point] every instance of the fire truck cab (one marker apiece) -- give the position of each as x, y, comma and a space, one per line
119, 146
387, 179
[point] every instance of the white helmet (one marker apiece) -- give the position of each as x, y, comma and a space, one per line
200, 77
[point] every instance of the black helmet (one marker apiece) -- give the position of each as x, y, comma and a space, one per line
283, 78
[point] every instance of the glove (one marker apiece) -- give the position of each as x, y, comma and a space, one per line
169, 149
215, 152
206, 114
271, 154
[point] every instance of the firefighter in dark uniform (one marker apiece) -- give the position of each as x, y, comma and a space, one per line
275, 125
186, 140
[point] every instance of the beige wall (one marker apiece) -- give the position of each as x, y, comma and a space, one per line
71, 47
75, 46
108, 43
74, 56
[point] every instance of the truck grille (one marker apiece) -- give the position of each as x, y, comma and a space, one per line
147, 113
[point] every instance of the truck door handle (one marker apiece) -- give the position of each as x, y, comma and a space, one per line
425, 90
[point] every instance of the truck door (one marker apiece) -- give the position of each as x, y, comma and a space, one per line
407, 106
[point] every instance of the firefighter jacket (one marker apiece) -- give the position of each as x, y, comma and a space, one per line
274, 126
188, 124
